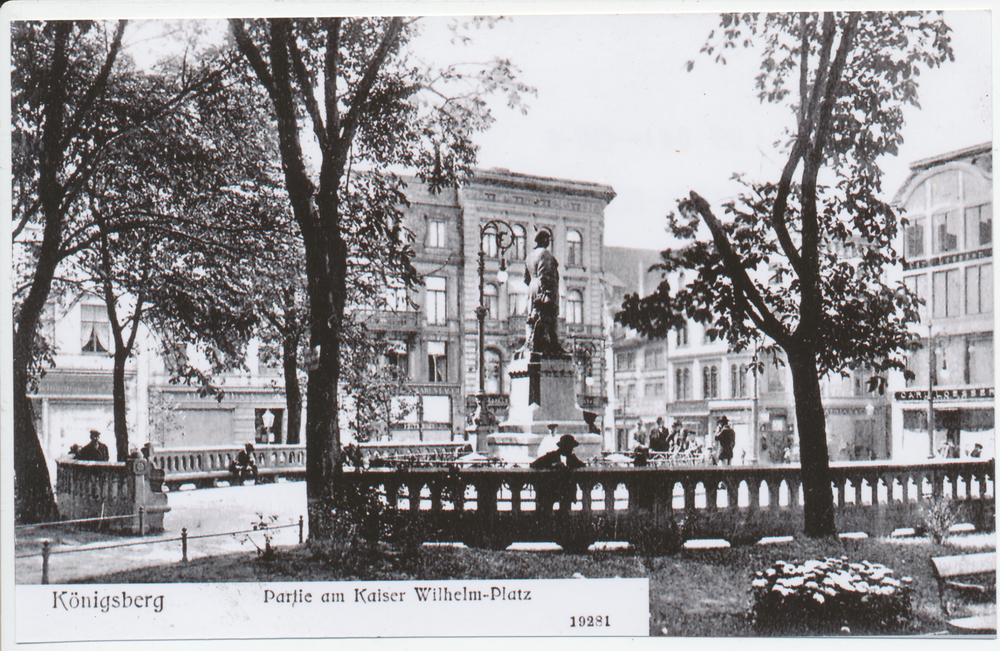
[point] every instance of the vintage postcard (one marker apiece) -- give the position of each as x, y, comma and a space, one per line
458, 322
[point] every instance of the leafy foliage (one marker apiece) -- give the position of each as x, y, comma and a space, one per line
800, 262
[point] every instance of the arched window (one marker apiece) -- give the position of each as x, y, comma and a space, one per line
520, 242
490, 242
492, 301
574, 306
574, 248
494, 371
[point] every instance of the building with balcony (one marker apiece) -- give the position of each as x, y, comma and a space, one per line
435, 328
947, 246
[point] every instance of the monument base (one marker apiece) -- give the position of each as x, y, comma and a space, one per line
542, 393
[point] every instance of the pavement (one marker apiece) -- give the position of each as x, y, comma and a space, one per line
77, 554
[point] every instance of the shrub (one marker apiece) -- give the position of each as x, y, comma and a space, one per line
939, 515
832, 592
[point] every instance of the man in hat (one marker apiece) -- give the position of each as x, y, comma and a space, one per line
541, 275
564, 450
727, 441
95, 450
562, 490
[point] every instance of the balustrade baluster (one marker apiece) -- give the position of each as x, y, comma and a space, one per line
711, 495
774, 493
435, 488
586, 489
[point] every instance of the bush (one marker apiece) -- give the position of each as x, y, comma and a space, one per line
939, 516
833, 593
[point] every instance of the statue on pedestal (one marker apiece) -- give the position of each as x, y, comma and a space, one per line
541, 275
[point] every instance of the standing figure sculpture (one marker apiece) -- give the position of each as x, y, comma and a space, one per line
541, 275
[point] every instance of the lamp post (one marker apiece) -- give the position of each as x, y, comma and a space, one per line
503, 236
931, 369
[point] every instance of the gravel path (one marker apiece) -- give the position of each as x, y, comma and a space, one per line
203, 512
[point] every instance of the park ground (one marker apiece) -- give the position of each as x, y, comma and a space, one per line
695, 592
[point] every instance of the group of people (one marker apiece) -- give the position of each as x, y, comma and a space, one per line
678, 440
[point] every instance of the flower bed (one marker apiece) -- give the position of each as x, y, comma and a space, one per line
832, 592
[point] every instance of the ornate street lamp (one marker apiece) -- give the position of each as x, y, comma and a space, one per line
501, 238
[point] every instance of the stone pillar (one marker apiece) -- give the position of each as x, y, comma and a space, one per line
542, 393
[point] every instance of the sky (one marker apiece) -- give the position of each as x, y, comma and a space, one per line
616, 105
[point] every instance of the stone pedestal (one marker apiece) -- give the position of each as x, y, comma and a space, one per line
541, 394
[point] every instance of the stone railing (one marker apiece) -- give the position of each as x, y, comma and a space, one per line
416, 450
665, 506
113, 493
204, 466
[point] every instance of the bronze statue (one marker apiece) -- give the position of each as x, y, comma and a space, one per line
541, 275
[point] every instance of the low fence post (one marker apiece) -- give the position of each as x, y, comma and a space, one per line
184, 545
142, 521
301, 525
46, 550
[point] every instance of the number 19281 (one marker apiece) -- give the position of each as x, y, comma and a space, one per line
590, 621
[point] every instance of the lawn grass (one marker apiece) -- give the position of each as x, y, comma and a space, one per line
694, 593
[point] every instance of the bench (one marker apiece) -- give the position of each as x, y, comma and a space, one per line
958, 573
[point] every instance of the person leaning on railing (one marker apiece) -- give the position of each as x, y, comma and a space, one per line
562, 457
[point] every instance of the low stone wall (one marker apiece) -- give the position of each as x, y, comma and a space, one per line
663, 507
204, 466
115, 491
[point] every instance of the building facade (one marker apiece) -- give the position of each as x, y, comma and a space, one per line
436, 327
948, 250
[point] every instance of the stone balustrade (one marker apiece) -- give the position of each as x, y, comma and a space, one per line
113, 492
493, 507
204, 466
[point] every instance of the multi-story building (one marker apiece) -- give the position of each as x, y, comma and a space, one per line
692, 380
437, 330
948, 250
433, 328
75, 395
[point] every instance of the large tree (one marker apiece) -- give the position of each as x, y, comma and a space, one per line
801, 262
352, 88
79, 109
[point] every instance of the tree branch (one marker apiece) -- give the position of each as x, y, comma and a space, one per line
736, 271
365, 86
308, 93
96, 88
253, 55
332, 63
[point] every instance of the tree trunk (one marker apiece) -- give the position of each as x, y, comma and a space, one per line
293, 392
118, 395
815, 460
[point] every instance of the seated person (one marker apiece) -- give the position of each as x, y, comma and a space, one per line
95, 450
244, 466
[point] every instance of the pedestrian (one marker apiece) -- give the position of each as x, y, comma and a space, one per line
95, 450
658, 438
727, 441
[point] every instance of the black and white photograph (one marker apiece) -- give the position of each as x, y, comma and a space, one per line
497, 320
